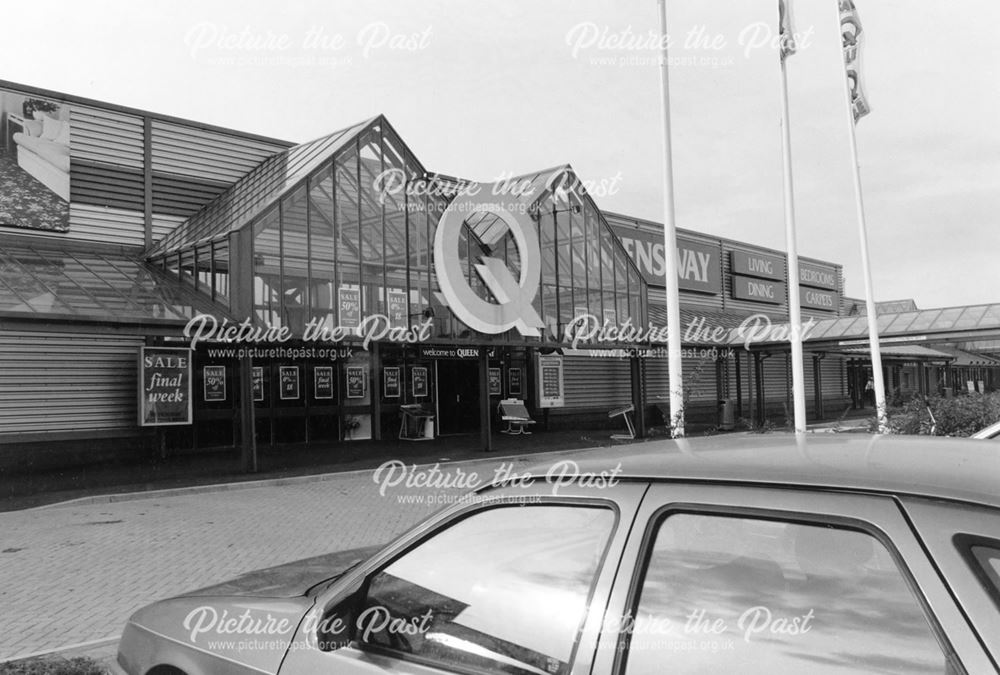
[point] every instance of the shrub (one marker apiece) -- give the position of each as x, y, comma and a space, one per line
45, 665
959, 416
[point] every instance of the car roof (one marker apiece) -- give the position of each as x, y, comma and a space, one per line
957, 469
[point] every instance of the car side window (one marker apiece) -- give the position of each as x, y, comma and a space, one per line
504, 590
987, 560
726, 594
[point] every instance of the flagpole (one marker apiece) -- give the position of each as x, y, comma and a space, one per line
794, 310
674, 361
878, 381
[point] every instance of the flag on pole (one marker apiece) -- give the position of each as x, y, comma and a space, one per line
785, 25
851, 34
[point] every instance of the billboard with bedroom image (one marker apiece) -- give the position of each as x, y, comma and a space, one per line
34, 162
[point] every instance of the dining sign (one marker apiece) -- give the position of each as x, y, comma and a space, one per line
164, 386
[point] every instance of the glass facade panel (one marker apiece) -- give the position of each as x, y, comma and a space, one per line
348, 239
621, 285
322, 249
203, 269
372, 225
419, 255
355, 239
566, 271
187, 266
396, 299
267, 268
220, 272
595, 305
295, 259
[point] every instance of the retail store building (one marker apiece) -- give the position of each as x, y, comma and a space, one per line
357, 292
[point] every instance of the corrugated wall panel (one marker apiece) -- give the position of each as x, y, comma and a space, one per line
592, 382
106, 137
192, 166
59, 382
699, 378
106, 180
163, 224
100, 224
212, 155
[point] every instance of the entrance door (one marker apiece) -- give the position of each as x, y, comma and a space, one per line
458, 397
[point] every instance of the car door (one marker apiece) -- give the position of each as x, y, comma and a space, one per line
742, 579
964, 540
505, 584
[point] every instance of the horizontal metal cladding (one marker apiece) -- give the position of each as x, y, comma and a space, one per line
99, 184
698, 373
777, 380
163, 225
181, 196
62, 382
101, 224
658, 298
106, 137
214, 156
595, 382
193, 166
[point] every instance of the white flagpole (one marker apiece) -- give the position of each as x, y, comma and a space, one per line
872, 313
674, 361
794, 311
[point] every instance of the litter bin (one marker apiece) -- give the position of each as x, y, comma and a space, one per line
949, 392
727, 415
429, 427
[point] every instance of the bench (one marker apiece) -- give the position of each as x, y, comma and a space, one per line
626, 412
513, 412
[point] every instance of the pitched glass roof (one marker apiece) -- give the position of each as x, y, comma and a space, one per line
256, 191
45, 283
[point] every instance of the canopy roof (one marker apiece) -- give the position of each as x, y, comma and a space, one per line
107, 286
909, 352
927, 325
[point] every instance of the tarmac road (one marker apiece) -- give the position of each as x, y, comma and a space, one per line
73, 573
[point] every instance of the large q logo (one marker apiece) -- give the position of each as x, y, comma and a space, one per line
513, 308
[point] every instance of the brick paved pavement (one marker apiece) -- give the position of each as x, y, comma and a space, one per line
74, 573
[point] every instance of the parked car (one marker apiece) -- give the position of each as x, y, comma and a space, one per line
992, 431
749, 554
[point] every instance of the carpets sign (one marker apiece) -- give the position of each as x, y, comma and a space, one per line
164, 386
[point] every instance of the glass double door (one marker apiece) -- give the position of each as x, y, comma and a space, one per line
458, 390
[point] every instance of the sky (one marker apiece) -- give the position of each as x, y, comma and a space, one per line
485, 90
